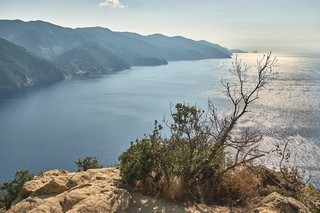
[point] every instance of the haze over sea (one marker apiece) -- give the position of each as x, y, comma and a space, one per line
51, 127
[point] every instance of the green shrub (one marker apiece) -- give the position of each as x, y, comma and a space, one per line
177, 158
88, 163
140, 161
201, 147
10, 189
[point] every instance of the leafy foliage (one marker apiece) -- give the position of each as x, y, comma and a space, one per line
9, 190
158, 158
143, 158
88, 163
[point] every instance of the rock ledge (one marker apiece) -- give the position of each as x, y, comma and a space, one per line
94, 190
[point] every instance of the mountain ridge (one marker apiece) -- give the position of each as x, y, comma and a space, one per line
67, 51
49, 40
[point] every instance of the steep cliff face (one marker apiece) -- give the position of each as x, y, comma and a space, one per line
18, 68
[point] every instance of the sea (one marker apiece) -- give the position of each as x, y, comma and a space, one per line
52, 126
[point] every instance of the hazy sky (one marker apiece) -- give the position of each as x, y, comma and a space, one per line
277, 25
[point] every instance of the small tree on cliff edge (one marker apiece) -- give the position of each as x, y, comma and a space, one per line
88, 163
202, 147
9, 190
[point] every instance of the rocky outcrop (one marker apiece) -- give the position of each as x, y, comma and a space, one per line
275, 203
94, 190
97, 190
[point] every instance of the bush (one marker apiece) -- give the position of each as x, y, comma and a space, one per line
202, 147
88, 163
176, 160
140, 161
10, 189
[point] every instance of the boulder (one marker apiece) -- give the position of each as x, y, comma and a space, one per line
53, 180
275, 203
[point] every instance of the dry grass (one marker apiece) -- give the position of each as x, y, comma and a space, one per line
175, 190
235, 188
238, 187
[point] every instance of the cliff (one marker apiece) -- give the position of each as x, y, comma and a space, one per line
98, 190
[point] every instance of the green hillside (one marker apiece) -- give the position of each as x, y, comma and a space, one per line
91, 59
18, 68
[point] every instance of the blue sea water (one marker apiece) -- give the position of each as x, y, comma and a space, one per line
50, 127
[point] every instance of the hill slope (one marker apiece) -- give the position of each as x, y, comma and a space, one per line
41, 38
18, 68
136, 52
91, 59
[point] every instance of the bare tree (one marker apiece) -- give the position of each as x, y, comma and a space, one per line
242, 93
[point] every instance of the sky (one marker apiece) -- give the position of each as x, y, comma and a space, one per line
263, 25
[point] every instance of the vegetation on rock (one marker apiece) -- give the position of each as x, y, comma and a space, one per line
9, 190
207, 158
88, 163
202, 147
